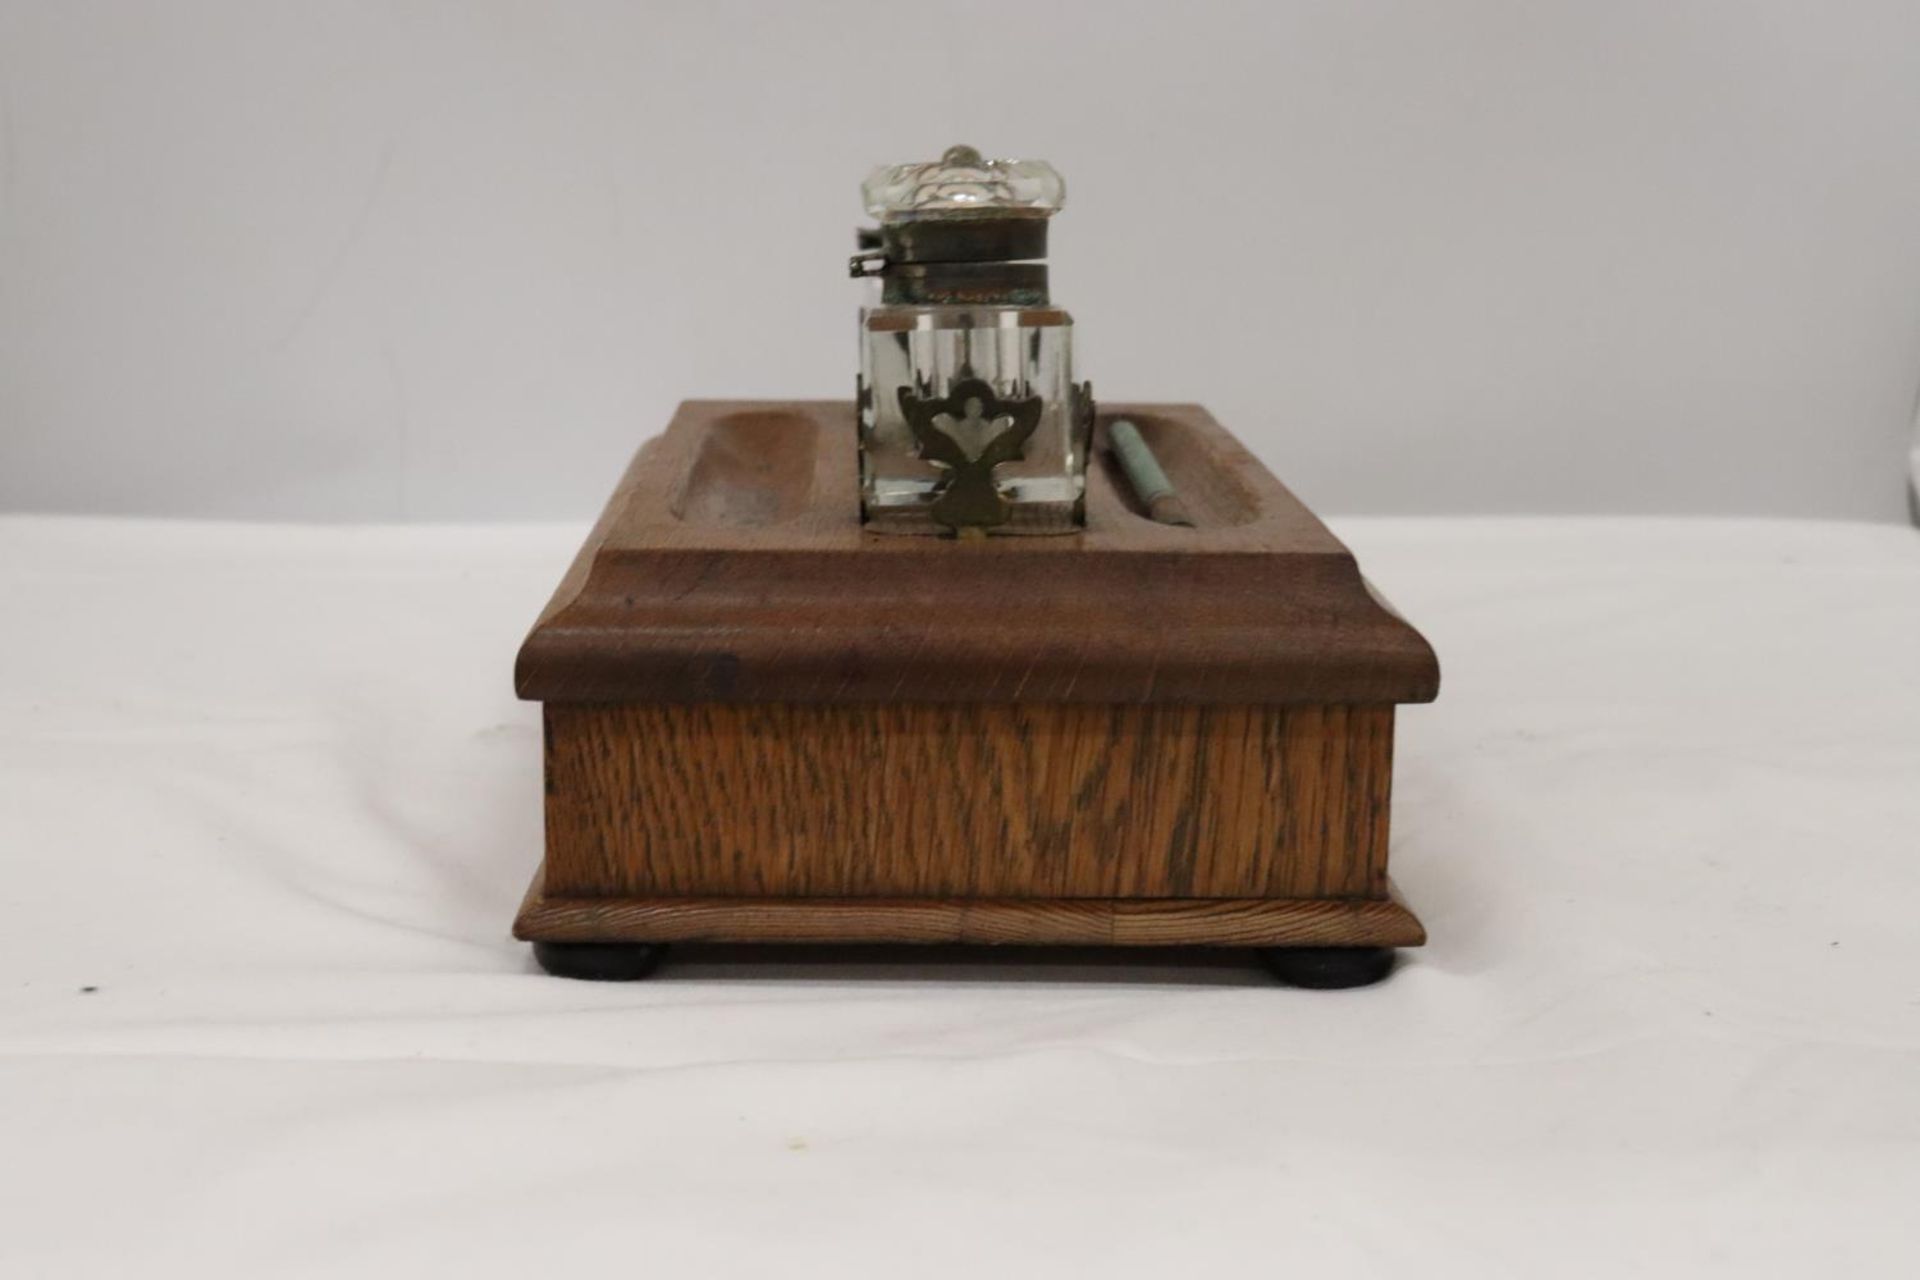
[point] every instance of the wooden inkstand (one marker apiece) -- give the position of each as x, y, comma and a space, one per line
765, 723
1132, 693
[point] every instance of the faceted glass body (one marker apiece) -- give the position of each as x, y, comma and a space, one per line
976, 372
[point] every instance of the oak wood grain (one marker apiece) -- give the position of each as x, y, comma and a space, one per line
1383, 922
989, 801
766, 723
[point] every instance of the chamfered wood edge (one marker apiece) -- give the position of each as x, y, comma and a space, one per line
1125, 922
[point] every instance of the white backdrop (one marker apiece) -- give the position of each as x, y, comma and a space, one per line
453, 258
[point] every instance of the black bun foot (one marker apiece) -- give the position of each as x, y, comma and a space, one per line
599, 961
1329, 968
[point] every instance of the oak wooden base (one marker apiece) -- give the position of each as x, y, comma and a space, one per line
765, 723
1122, 922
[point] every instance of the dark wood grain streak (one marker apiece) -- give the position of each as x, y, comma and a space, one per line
1065, 801
1269, 922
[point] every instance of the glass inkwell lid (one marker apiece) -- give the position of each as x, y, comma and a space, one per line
962, 184
970, 421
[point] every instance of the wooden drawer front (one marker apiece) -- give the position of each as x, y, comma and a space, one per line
967, 800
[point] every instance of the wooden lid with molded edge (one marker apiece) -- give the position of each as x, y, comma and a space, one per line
731, 566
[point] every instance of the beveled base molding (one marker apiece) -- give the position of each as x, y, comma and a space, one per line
1123, 922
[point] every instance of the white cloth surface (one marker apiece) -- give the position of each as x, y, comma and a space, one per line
267, 806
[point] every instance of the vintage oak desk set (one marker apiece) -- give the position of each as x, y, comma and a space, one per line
965, 660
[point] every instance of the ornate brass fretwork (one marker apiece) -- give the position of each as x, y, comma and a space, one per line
968, 498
